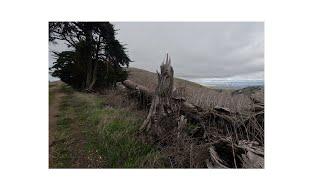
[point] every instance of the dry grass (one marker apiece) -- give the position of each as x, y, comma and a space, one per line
119, 123
197, 94
190, 152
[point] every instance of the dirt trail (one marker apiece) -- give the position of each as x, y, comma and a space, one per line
54, 102
76, 143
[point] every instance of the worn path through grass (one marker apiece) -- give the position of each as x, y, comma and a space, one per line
85, 133
55, 96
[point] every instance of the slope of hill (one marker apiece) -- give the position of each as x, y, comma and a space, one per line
91, 130
197, 94
149, 79
94, 131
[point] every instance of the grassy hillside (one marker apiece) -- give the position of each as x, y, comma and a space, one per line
94, 131
149, 79
101, 131
197, 94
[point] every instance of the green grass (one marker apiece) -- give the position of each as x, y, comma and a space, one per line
109, 132
63, 136
119, 142
66, 89
51, 97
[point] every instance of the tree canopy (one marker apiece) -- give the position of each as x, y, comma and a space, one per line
96, 58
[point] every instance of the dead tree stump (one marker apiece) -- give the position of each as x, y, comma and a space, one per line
163, 116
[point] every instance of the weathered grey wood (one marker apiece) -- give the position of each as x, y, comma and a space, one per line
162, 116
170, 113
220, 116
134, 86
217, 161
162, 102
225, 154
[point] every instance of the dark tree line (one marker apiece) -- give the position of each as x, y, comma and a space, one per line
96, 58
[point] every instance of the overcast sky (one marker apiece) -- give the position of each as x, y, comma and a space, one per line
233, 50
198, 49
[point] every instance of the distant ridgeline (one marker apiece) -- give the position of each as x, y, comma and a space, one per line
227, 83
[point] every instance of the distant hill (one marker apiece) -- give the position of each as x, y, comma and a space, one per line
248, 90
254, 91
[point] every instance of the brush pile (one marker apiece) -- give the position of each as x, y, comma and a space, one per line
192, 136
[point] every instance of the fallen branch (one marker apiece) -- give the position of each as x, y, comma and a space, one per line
225, 154
171, 114
219, 117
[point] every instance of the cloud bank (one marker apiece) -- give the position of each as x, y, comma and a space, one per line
197, 49
228, 50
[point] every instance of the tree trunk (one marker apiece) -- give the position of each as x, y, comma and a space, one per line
224, 153
162, 117
94, 75
219, 117
94, 67
89, 73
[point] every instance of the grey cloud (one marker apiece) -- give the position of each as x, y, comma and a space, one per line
197, 49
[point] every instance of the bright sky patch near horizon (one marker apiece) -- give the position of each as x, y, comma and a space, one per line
214, 50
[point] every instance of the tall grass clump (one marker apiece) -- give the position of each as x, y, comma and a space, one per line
110, 131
